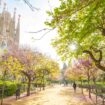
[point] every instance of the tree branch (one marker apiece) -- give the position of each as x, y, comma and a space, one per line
91, 55
43, 34
30, 5
25, 73
100, 67
83, 7
44, 29
79, 9
98, 51
97, 62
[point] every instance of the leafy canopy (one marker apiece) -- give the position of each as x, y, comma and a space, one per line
81, 22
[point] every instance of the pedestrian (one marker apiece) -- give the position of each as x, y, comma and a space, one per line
17, 93
74, 86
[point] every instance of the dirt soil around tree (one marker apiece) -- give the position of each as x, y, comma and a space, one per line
56, 95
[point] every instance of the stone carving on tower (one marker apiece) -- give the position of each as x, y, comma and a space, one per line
9, 31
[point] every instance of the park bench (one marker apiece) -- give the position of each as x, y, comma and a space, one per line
100, 92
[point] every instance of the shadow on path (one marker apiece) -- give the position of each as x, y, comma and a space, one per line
57, 95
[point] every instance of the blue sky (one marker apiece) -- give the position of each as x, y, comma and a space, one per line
34, 21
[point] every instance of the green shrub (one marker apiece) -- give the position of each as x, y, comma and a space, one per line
9, 89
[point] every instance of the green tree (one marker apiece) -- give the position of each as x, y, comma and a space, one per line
79, 22
49, 68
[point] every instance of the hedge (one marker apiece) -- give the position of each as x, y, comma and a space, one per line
9, 88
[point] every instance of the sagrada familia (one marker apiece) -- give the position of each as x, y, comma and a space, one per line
9, 28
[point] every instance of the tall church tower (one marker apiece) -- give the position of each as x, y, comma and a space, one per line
9, 31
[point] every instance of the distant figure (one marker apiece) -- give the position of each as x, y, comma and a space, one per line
18, 93
74, 86
66, 83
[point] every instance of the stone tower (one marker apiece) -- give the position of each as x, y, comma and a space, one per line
9, 31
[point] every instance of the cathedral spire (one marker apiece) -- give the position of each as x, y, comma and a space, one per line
4, 27
18, 30
12, 25
0, 2
19, 19
4, 8
18, 24
9, 31
14, 16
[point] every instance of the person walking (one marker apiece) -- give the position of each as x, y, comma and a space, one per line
74, 87
18, 93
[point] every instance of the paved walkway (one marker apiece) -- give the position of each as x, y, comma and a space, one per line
57, 95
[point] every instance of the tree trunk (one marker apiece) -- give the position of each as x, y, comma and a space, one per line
94, 80
81, 86
96, 61
29, 86
43, 81
89, 86
43, 84
2, 95
3, 88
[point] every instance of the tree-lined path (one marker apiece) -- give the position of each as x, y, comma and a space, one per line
28, 60
57, 95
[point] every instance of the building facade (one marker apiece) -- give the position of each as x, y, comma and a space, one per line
9, 28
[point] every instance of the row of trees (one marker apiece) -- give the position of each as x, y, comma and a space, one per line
84, 69
81, 23
25, 64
